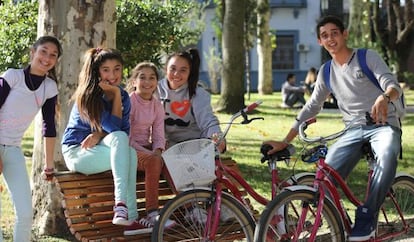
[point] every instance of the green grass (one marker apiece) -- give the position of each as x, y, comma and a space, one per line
244, 143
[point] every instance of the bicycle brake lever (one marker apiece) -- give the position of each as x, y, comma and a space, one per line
247, 121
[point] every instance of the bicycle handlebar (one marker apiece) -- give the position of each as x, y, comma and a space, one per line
242, 113
322, 139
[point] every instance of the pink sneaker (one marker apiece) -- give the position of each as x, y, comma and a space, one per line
136, 228
120, 215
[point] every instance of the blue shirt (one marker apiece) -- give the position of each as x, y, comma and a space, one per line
77, 129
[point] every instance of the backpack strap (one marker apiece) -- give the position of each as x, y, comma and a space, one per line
327, 74
362, 60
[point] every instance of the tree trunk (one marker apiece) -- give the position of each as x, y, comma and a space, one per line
78, 25
232, 85
396, 32
264, 48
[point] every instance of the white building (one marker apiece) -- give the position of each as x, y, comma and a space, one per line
294, 23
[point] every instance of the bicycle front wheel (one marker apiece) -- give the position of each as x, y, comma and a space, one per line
190, 210
389, 217
280, 220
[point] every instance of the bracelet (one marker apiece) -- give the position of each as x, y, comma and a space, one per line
285, 141
49, 170
386, 96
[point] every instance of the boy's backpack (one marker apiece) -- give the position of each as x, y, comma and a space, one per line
362, 60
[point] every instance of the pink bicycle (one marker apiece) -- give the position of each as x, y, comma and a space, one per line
218, 211
303, 213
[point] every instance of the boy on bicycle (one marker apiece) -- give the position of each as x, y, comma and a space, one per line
356, 95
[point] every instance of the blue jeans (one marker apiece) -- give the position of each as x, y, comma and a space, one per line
385, 142
111, 153
18, 183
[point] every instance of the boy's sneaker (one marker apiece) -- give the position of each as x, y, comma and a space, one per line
197, 215
136, 228
149, 221
364, 225
120, 215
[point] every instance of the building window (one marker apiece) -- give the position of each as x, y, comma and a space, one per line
283, 57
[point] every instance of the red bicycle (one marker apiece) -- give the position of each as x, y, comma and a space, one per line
218, 211
301, 213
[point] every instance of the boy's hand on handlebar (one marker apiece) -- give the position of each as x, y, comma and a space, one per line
277, 145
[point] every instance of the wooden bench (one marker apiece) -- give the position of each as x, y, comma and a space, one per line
88, 202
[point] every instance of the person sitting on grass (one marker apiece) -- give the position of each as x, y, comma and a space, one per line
292, 94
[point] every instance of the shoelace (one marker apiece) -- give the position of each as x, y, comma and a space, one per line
121, 211
145, 222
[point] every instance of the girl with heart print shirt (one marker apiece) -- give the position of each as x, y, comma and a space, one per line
147, 134
188, 111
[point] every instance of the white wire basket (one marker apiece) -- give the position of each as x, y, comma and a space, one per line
191, 163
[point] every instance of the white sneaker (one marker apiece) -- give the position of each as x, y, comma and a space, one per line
197, 215
150, 219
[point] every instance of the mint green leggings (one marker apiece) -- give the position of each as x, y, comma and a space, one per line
111, 153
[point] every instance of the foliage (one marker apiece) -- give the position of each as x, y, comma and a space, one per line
148, 29
250, 21
17, 33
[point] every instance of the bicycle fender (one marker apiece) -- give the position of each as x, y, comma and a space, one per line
296, 177
196, 187
299, 187
403, 174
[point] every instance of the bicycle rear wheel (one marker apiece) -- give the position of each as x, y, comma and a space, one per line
389, 219
189, 211
279, 220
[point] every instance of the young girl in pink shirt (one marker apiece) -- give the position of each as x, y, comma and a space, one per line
147, 134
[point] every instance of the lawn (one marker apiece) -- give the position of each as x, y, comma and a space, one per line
244, 145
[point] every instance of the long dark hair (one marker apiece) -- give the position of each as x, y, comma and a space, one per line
193, 58
88, 93
49, 39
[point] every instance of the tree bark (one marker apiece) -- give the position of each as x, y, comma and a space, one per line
232, 85
79, 25
264, 48
396, 30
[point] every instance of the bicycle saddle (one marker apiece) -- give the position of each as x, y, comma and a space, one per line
284, 154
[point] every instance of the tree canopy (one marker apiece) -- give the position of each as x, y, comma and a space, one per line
146, 30
17, 32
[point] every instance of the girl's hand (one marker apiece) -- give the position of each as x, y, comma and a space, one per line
48, 174
91, 140
110, 90
222, 146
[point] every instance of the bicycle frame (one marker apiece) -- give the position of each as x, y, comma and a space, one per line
224, 175
324, 184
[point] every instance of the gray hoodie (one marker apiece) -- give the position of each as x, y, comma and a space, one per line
185, 118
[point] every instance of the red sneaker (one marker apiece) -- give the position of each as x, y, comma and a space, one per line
136, 228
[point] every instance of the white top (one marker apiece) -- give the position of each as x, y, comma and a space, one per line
21, 106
